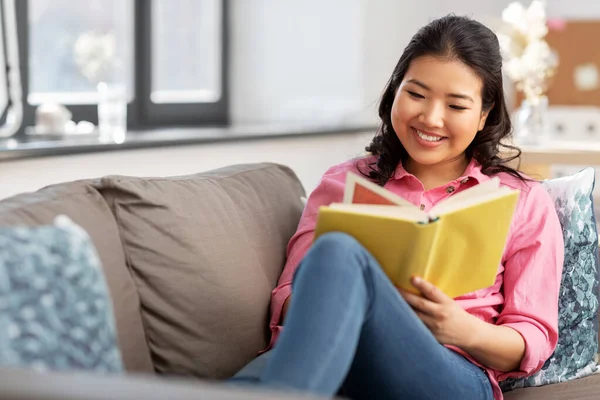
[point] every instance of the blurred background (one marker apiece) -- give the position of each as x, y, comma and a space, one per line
154, 68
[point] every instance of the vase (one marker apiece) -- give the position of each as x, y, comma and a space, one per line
112, 112
531, 122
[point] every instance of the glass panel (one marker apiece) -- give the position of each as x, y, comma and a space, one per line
74, 45
186, 51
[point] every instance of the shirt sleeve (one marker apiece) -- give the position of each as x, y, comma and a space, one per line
329, 190
532, 278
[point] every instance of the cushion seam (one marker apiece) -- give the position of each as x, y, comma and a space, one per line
196, 177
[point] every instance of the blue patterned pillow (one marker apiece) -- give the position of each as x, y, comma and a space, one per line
55, 311
575, 353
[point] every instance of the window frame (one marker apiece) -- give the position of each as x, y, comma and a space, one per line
142, 113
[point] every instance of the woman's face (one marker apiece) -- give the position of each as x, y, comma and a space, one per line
437, 110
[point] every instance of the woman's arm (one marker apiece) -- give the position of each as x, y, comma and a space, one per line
526, 331
498, 347
531, 281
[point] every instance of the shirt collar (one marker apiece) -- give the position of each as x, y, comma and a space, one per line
473, 171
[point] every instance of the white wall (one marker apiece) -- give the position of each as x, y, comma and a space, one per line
295, 60
387, 28
316, 59
329, 60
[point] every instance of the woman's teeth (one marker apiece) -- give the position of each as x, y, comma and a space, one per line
429, 138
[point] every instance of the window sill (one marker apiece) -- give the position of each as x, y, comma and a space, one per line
34, 147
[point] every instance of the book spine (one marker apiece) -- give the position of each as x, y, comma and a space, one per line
433, 256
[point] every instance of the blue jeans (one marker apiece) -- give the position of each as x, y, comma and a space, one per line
348, 331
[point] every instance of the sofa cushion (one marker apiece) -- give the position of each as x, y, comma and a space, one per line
55, 309
581, 389
577, 346
82, 203
206, 250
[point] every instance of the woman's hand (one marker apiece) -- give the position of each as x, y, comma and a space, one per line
498, 347
449, 323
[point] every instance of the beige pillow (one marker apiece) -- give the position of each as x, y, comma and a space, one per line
205, 252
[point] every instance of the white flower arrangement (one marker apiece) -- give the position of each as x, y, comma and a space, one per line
528, 59
95, 55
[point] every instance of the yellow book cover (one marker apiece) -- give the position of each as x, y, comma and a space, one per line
457, 245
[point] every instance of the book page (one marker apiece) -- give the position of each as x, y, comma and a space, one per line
460, 200
449, 207
360, 190
469, 246
412, 214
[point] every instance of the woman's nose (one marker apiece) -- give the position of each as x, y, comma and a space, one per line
432, 116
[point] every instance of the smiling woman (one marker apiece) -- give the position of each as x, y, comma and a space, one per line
436, 113
443, 117
449, 89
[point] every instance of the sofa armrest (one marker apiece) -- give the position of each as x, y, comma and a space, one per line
24, 384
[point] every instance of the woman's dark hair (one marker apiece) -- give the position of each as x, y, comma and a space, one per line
451, 38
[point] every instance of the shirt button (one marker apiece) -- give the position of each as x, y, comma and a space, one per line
450, 189
422, 207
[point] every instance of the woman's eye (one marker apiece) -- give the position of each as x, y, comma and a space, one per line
415, 95
459, 108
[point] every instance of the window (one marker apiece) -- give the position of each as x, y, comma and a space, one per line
178, 34
73, 46
186, 57
169, 55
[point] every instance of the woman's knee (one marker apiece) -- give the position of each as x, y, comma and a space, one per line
337, 242
333, 251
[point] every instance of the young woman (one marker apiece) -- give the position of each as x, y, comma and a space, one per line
347, 328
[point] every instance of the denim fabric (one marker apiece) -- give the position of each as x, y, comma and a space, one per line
349, 331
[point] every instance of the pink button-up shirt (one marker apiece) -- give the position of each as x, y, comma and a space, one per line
525, 293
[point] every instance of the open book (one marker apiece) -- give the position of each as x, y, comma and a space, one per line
457, 245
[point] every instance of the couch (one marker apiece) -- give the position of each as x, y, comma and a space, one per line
190, 263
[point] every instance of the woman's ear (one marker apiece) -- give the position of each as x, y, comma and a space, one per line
483, 118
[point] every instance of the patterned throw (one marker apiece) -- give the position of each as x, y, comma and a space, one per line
55, 311
575, 353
